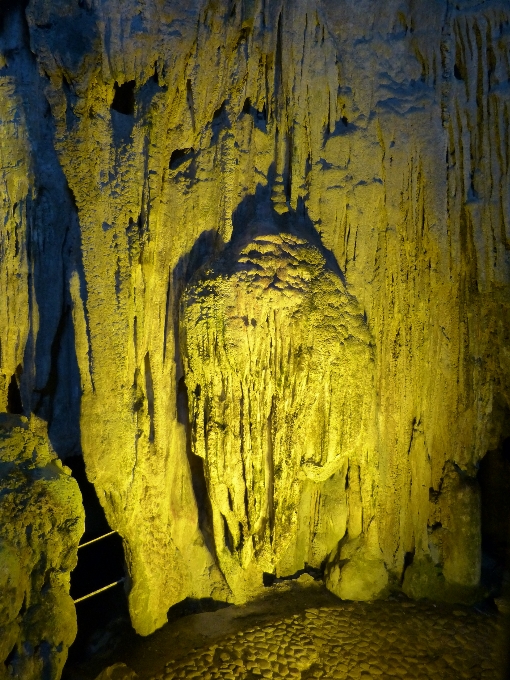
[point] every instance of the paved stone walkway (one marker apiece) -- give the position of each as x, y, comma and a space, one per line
356, 641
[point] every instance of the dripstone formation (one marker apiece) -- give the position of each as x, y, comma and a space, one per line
41, 523
277, 365
251, 401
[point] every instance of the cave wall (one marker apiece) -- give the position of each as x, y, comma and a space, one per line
138, 137
41, 523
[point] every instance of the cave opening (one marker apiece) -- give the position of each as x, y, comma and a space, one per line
494, 480
269, 579
103, 618
124, 98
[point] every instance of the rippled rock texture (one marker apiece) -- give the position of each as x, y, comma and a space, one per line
41, 523
277, 362
139, 138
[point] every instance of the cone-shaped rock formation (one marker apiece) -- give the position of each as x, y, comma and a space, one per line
277, 365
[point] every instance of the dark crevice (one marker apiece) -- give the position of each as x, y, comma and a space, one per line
124, 98
494, 479
434, 494
243, 37
43, 406
14, 402
168, 315
196, 465
220, 122
180, 156
155, 75
85, 5
408, 560
270, 579
71, 100
230, 500
229, 539
122, 113
191, 605
149, 390
278, 71
259, 117
11, 657
23, 609
190, 101
288, 166
220, 111
343, 126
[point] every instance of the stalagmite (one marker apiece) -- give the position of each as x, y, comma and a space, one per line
277, 364
41, 523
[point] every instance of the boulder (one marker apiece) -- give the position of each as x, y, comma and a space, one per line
41, 522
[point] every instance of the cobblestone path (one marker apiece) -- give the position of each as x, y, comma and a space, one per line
379, 640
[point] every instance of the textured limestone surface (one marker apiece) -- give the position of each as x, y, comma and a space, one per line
139, 138
277, 363
380, 640
41, 523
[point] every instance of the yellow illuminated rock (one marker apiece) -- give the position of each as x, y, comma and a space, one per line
385, 127
15, 188
277, 365
41, 523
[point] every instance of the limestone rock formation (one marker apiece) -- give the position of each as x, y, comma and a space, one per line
138, 135
118, 671
277, 365
41, 523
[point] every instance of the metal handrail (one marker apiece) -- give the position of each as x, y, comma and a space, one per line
96, 592
110, 585
97, 539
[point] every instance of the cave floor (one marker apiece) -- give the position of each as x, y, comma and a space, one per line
300, 631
